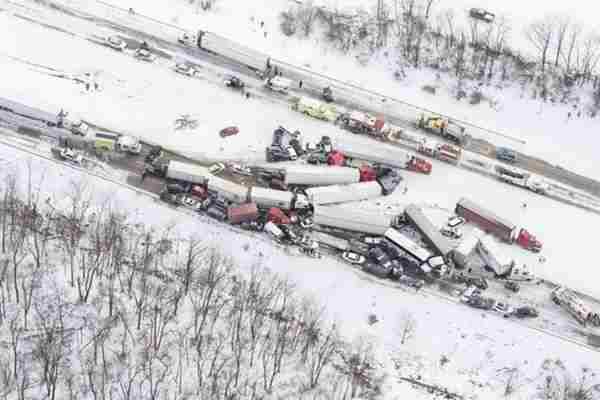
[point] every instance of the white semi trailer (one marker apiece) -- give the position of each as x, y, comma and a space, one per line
266, 198
426, 259
314, 175
227, 189
322, 195
487, 248
187, 172
227, 48
352, 219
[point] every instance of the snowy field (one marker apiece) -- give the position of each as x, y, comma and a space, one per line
545, 129
145, 99
477, 345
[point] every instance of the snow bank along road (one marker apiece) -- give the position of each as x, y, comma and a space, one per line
552, 322
558, 192
352, 96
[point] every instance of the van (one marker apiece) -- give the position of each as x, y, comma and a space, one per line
279, 84
507, 155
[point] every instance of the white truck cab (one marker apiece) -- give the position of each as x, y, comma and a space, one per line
129, 144
279, 84
188, 38
77, 126
301, 202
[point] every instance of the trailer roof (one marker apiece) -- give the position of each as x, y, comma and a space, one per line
225, 187
341, 193
352, 219
189, 168
281, 196
491, 245
431, 233
375, 152
484, 212
408, 245
331, 240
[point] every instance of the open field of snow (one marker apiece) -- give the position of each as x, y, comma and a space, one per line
146, 99
477, 345
545, 129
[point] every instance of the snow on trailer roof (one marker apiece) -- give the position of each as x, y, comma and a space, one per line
468, 244
375, 152
331, 240
344, 193
484, 212
408, 245
190, 169
352, 219
229, 190
430, 232
490, 243
259, 194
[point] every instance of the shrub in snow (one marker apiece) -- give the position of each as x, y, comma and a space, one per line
429, 89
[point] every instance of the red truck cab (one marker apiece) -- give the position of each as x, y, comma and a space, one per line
421, 165
528, 241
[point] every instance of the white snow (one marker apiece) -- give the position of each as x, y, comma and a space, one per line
476, 344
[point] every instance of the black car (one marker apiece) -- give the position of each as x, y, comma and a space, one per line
295, 143
176, 188
376, 270
483, 303
234, 82
155, 152
479, 283
216, 213
377, 255
526, 312
482, 15
277, 153
391, 249
169, 197
512, 286
327, 94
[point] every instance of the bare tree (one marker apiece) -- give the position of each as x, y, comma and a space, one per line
306, 17
562, 26
540, 34
572, 45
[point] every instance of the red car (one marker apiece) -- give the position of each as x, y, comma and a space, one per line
229, 131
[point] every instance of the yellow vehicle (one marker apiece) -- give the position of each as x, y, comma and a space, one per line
102, 144
315, 108
434, 123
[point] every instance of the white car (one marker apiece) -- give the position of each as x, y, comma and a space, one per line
216, 168
240, 169
116, 43
469, 292
80, 128
191, 203
144, 55
185, 69
353, 258
71, 156
372, 240
455, 221
452, 233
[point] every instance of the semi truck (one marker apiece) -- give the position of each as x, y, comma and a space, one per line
267, 198
493, 256
574, 306
432, 236
427, 261
321, 195
244, 213
522, 179
385, 155
441, 126
222, 46
187, 172
229, 190
352, 219
498, 226
315, 175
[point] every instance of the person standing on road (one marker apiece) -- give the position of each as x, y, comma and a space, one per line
300, 84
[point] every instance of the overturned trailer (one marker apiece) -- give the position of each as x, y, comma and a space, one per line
331, 241
432, 236
385, 155
352, 219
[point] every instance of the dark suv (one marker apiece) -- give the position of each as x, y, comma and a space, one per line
507, 155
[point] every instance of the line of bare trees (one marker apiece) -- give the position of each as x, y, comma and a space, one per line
94, 306
564, 53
